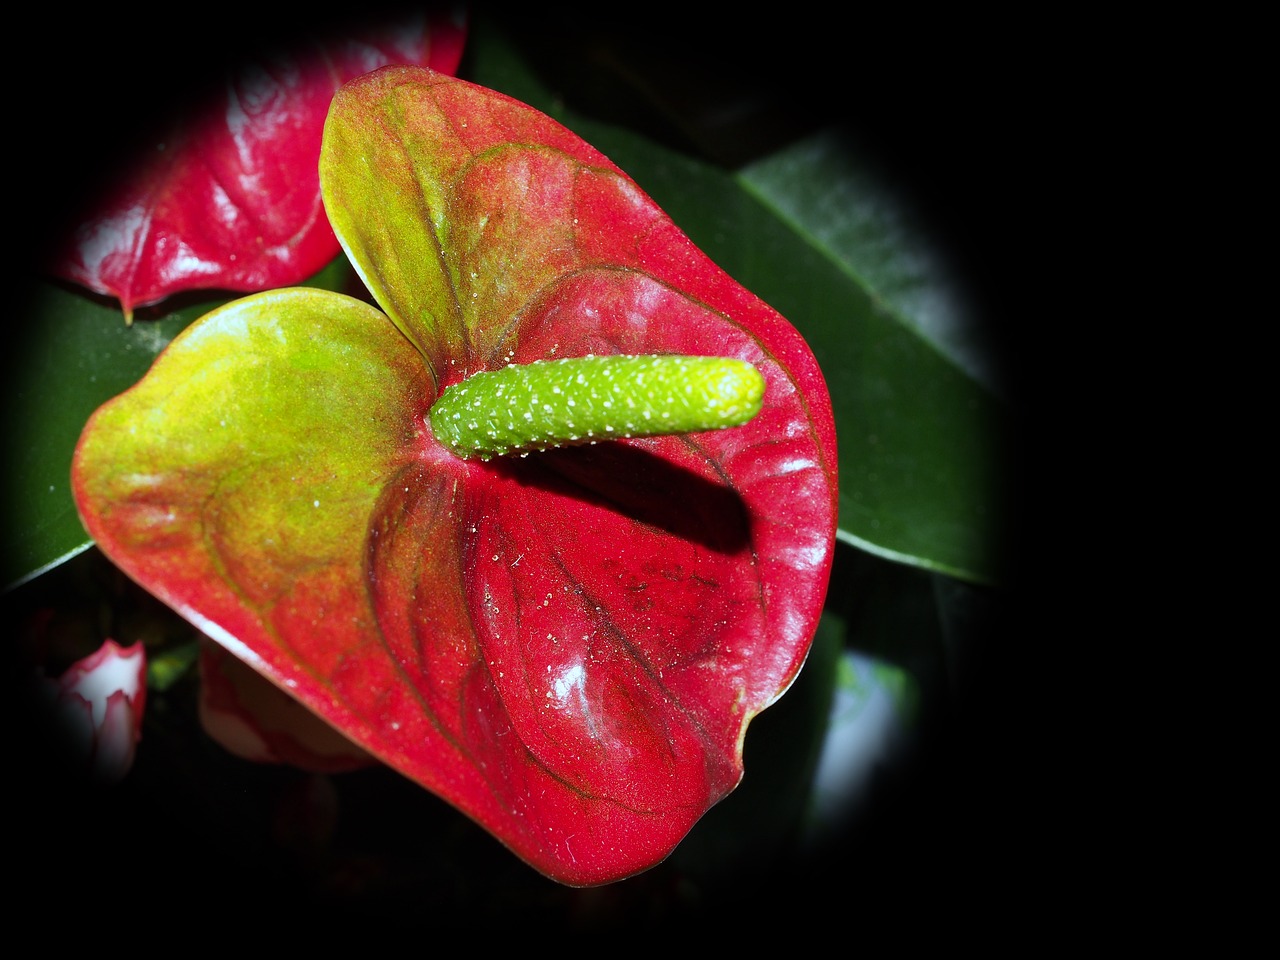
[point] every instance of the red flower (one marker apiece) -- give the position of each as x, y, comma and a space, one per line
567, 646
97, 707
229, 199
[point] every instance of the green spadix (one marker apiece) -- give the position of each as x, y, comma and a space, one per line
581, 400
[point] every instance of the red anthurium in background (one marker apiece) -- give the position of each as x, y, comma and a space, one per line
230, 199
97, 708
256, 720
566, 645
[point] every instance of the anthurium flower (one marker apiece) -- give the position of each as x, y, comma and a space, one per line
568, 643
229, 198
97, 709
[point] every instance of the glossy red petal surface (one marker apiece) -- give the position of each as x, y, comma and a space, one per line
229, 199
567, 646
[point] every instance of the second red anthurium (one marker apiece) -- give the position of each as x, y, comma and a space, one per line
566, 634
229, 198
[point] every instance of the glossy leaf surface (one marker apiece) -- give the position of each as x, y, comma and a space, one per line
229, 198
924, 428
568, 646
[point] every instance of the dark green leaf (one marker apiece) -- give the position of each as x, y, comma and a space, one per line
76, 353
